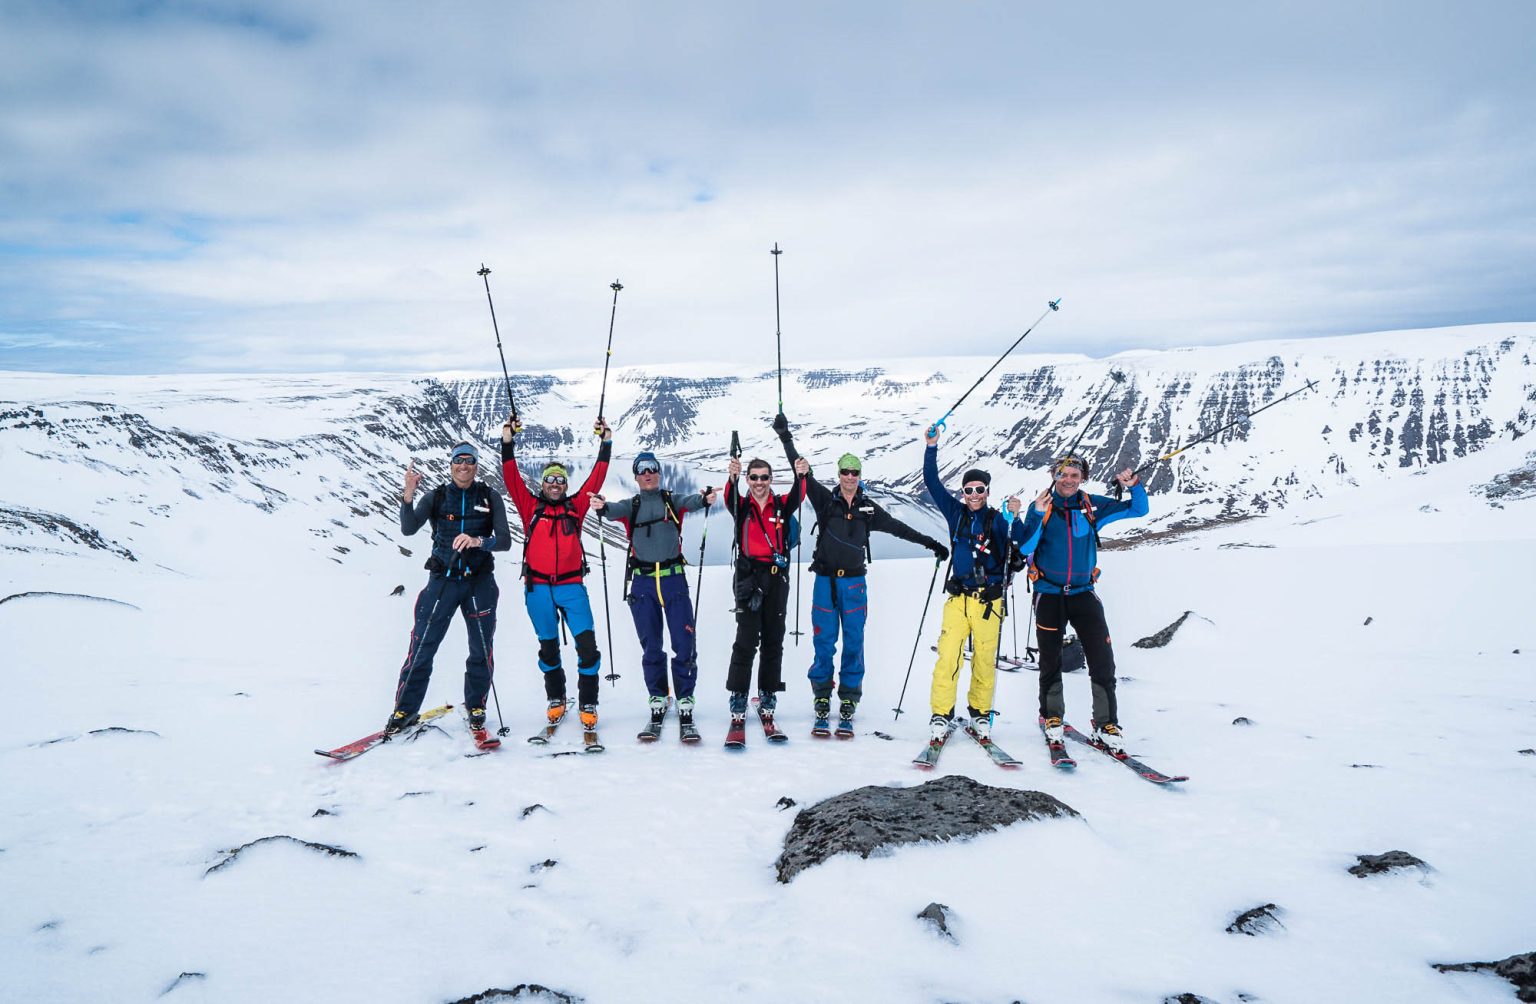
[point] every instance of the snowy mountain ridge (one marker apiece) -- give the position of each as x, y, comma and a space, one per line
332, 447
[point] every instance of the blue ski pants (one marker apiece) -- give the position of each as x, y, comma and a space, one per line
546, 605
476, 598
839, 604
662, 600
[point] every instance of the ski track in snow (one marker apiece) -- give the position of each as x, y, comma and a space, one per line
257, 649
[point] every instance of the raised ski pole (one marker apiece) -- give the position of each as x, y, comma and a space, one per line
602, 399
1240, 420
778, 330
936, 427
1119, 378
926, 601
484, 275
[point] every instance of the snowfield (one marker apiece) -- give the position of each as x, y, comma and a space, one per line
647, 873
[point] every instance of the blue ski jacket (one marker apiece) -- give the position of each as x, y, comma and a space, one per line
1068, 550
978, 540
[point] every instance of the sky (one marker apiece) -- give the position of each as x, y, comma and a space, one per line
295, 187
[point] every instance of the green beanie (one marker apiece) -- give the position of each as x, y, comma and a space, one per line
849, 462
553, 469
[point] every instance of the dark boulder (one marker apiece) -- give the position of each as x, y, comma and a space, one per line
1257, 921
868, 819
937, 914
1375, 864
1517, 969
1164, 636
531, 993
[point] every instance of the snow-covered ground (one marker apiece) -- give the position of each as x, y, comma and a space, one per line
1397, 734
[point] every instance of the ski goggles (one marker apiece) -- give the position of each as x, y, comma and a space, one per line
647, 467
554, 479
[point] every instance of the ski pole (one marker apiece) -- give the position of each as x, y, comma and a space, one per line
698, 585
1119, 378
926, 600
490, 666
1240, 420
1051, 305
602, 550
484, 275
602, 399
778, 331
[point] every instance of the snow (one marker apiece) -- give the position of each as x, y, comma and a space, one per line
250, 648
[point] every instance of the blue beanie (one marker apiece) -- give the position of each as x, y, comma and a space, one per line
642, 456
464, 449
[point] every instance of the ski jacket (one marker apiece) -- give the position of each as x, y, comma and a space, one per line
552, 551
843, 527
475, 510
653, 521
762, 531
978, 541
1068, 547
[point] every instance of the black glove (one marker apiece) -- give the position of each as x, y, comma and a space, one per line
780, 423
939, 550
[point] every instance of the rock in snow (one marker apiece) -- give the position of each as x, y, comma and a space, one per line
937, 914
866, 819
1375, 864
231, 855
1164, 636
530, 992
1259, 920
1517, 969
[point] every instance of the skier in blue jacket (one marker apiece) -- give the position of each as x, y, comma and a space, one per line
1068, 521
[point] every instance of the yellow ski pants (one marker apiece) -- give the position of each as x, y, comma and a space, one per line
967, 617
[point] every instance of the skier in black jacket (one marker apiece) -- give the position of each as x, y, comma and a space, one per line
469, 522
839, 601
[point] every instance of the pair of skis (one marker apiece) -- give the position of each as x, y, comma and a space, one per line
424, 721
687, 732
589, 741
736, 736
929, 757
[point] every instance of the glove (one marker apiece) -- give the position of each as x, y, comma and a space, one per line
939, 550
780, 423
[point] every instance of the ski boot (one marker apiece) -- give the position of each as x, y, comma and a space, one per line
399, 720
686, 731
766, 703
821, 708
736, 736
845, 710
1110, 737
652, 730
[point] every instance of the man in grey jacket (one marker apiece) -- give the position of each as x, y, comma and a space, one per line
657, 587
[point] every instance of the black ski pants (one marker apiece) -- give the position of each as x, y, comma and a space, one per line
1085, 613
762, 594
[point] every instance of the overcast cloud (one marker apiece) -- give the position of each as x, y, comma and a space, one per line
296, 186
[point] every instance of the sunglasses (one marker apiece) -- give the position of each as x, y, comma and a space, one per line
648, 468
974, 490
848, 472
464, 461
555, 479
759, 477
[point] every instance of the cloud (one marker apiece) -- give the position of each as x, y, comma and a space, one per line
302, 187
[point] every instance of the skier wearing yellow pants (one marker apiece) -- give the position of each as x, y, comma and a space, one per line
981, 541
